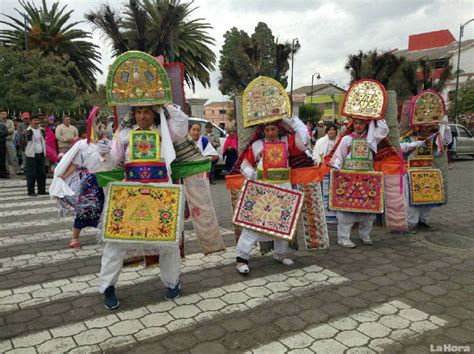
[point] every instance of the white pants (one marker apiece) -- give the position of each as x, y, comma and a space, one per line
112, 263
417, 214
345, 221
249, 238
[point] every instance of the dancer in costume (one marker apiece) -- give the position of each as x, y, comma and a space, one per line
355, 153
322, 148
429, 134
142, 215
80, 194
253, 167
146, 119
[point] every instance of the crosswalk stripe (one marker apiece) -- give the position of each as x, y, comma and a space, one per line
21, 196
374, 329
32, 295
26, 203
33, 259
27, 211
42, 236
168, 316
14, 192
34, 223
19, 183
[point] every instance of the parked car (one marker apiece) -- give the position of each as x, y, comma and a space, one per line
464, 144
219, 132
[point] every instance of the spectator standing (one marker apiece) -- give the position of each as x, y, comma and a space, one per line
215, 142
230, 150
66, 134
321, 130
3, 150
20, 132
203, 144
35, 151
11, 159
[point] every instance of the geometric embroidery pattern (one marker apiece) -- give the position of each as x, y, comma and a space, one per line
353, 191
269, 209
135, 212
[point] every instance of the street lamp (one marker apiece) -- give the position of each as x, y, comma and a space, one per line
461, 31
295, 45
312, 80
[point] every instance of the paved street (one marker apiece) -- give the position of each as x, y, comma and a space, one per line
403, 294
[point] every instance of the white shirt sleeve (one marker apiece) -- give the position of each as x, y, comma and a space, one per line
178, 122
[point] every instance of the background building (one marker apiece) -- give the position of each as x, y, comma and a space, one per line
440, 49
220, 113
326, 97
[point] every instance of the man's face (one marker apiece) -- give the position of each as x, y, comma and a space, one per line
360, 126
271, 132
195, 132
208, 130
3, 115
144, 117
67, 121
35, 122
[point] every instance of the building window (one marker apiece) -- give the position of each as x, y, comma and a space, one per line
222, 111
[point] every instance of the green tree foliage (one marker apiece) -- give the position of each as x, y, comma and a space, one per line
465, 100
32, 81
244, 58
49, 33
373, 65
160, 27
405, 77
309, 113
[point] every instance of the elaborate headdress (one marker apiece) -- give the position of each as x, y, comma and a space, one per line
264, 100
427, 108
365, 99
137, 79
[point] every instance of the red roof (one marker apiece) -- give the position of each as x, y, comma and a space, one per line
427, 40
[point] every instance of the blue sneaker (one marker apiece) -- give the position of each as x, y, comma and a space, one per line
173, 293
110, 300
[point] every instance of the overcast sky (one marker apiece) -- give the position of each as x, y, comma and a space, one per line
327, 30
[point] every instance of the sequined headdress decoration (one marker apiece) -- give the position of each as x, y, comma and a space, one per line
427, 108
137, 79
365, 99
264, 100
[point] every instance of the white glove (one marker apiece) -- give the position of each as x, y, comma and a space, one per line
248, 172
416, 144
445, 120
290, 121
102, 147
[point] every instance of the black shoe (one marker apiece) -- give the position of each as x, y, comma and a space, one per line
424, 226
5, 176
43, 193
32, 195
173, 293
110, 300
212, 182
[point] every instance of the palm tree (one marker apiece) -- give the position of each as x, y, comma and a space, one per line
160, 27
373, 65
48, 32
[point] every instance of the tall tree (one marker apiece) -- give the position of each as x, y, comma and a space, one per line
48, 32
160, 27
244, 58
31, 81
465, 101
373, 65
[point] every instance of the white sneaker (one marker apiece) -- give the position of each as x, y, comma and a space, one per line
367, 241
242, 268
284, 260
347, 244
